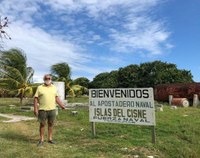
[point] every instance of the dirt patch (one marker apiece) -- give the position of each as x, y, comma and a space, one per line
15, 118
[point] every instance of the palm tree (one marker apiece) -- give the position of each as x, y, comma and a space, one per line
61, 72
15, 76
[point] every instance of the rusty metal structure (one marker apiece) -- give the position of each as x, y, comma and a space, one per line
178, 90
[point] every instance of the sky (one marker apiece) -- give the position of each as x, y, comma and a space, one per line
95, 36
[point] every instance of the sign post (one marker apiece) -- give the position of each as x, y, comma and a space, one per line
93, 129
122, 105
153, 135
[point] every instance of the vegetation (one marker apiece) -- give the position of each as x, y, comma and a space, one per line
178, 131
14, 101
82, 81
83, 99
157, 72
146, 74
177, 136
15, 76
105, 80
128, 76
100, 80
61, 72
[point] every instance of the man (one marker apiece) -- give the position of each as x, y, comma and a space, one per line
45, 100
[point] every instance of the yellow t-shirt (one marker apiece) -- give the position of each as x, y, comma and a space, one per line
47, 97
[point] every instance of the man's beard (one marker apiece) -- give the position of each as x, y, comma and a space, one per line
47, 82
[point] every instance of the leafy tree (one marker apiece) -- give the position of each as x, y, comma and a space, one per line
15, 76
144, 75
128, 76
98, 81
82, 81
112, 80
184, 76
157, 72
105, 80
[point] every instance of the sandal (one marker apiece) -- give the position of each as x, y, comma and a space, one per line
40, 143
51, 142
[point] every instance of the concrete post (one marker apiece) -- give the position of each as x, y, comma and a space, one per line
170, 99
61, 91
195, 100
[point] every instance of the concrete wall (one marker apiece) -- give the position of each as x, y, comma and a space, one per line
61, 89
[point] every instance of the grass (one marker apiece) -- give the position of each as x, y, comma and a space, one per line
3, 119
77, 100
177, 136
14, 101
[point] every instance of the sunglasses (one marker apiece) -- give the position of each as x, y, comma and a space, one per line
47, 79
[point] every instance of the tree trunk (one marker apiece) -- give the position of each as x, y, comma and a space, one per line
21, 97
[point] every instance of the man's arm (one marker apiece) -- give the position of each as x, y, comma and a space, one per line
36, 106
58, 101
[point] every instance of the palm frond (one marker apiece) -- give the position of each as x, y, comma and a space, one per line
11, 72
29, 91
15, 76
61, 70
14, 58
9, 83
13, 92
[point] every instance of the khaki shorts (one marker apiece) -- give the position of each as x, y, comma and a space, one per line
44, 115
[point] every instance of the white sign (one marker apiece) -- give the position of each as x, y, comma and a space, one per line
127, 106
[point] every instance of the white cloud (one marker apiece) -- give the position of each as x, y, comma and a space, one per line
18, 10
69, 31
43, 49
134, 28
140, 33
95, 7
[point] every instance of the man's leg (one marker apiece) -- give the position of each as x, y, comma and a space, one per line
42, 119
42, 128
50, 130
51, 119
